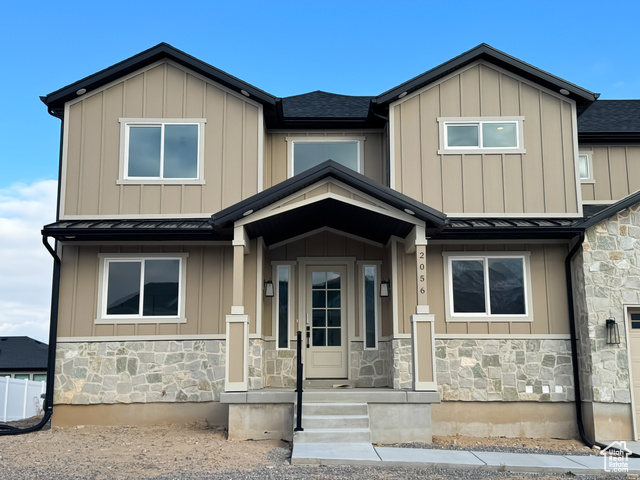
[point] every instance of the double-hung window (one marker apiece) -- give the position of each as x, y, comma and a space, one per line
306, 153
161, 151
488, 286
147, 288
481, 135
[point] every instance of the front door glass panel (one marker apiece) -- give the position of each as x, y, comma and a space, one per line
326, 309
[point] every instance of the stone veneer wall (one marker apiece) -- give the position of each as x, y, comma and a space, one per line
501, 369
401, 373
139, 372
606, 277
370, 368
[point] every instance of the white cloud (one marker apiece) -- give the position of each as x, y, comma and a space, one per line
25, 264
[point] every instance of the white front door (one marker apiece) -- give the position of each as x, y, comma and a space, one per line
326, 322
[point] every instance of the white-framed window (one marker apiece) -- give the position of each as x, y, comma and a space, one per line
161, 150
585, 167
370, 304
487, 286
307, 152
481, 135
34, 377
283, 305
142, 288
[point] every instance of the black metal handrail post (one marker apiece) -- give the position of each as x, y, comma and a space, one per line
299, 383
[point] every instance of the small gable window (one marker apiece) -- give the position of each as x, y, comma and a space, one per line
481, 135
163, 151
306, 153
585, 167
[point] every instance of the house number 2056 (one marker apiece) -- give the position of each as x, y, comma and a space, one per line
421, 276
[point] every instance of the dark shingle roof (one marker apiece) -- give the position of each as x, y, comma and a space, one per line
320, 104
22, 353
611, 116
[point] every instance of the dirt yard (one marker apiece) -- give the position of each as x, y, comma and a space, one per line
167, 451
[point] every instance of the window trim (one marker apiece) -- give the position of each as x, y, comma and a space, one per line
105, 258
444, 149
291, 141
451, 316
377, 306
276, 303
126, 123
589, 178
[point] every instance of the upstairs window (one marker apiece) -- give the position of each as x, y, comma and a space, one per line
161, 151
481, 135
585, 167
306, 153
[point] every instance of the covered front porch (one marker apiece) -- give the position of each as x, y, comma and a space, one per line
342, 260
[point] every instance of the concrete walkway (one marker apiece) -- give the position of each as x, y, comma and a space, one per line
367, 454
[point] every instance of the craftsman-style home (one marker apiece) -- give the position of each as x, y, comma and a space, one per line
464, 242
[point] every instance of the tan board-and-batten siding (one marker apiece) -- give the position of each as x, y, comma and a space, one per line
209, 272
540, 181
548, 291
232, 135
616, 172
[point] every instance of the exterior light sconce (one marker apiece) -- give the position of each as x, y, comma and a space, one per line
268, 289
384, 288
613, 335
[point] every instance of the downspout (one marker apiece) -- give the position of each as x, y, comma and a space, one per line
574, 345
53, 317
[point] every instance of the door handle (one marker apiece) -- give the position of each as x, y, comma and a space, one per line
308, 331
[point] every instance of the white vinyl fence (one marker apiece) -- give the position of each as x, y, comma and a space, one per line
20, 398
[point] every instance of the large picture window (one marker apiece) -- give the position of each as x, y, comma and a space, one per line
162, 151
142, 288
481, 135
306, 153
481, 287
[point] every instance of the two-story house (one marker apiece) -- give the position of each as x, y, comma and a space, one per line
456, 245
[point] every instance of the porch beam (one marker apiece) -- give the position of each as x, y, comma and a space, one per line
417, 236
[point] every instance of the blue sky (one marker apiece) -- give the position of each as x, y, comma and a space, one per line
283, 47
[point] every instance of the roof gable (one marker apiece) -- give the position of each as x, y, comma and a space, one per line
489, 54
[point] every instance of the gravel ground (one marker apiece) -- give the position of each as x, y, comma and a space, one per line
199, 452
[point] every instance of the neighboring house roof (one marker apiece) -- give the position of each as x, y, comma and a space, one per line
583, 97
22, 354
169, 229
610, 121
329, 212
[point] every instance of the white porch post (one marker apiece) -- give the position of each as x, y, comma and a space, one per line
237, 336
422, 322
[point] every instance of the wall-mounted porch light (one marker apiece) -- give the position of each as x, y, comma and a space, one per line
613, 335
384, 288
268, 288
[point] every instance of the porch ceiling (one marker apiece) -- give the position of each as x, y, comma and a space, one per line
328, 213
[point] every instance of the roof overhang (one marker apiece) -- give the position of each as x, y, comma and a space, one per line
582, 97
56, 100
511, 229
328, 195
146, 230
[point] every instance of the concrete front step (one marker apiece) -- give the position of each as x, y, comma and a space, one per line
334, 409
334, 421
333, 435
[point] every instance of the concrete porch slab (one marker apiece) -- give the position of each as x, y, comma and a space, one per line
334, 454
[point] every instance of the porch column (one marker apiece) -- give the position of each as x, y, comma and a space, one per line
422, 322
237, 336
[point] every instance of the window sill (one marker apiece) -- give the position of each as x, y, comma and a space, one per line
139, 320
587, 180
491, 319
482, 151
160, 182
